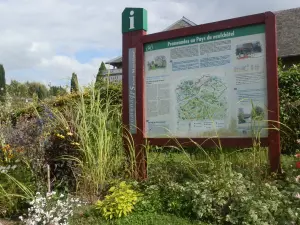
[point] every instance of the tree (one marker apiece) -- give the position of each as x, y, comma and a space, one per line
17, 89
36, 88
57, 91
2, 84
74, 83
100, 74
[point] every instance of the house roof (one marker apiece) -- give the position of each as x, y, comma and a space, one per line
114, 60
182, 23
288, 32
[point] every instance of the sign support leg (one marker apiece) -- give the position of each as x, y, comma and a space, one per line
134, 27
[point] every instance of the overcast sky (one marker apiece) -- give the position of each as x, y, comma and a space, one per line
47, 40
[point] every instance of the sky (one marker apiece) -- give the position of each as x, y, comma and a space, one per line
47, 40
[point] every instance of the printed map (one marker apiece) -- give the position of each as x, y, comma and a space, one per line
202, 98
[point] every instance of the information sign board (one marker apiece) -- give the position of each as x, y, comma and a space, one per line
206, 85
212, 85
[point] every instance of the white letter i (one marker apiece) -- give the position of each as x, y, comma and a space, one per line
131, 20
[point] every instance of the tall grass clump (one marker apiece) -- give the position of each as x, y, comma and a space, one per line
252, 161
96, 122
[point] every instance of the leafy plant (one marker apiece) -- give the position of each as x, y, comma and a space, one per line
289, 93
50, 209
229, 198
120, 202
15, 180
59, 143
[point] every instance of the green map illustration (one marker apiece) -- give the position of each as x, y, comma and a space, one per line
202, 98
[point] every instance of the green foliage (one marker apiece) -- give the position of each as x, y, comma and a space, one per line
74, 83
38, 89
57, 91
15, 180
100, 74
113, 92
59, 143
17, 89
2, 84
96, 121
289, 92
219, 199
120, 202
144, 218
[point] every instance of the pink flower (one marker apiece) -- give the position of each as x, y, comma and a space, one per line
297, 155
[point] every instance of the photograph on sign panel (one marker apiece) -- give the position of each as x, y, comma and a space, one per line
159, 62
251, 49
247, 115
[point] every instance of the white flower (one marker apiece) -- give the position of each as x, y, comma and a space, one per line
297, 195
50, 211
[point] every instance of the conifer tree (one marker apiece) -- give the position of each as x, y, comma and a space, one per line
100, 74
2, 83
74, 83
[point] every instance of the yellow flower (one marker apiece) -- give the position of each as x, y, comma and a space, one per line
75, 143
60, 136
6, 148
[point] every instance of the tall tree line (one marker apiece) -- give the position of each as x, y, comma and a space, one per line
27, 89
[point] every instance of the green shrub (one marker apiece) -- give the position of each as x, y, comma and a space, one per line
219, 198
289, 92
59, 143
120, 202
16, 180
112, 91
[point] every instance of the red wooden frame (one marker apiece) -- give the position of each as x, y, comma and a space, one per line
137, 39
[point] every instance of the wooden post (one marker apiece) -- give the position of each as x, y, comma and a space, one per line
134, 26
273, 97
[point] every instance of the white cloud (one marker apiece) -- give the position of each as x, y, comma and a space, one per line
60, 68
43, 36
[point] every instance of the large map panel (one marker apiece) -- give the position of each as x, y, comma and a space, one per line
207, 85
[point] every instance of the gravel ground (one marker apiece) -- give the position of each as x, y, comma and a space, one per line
5, 222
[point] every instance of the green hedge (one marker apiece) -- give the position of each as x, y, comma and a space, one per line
114, 91
289, 93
